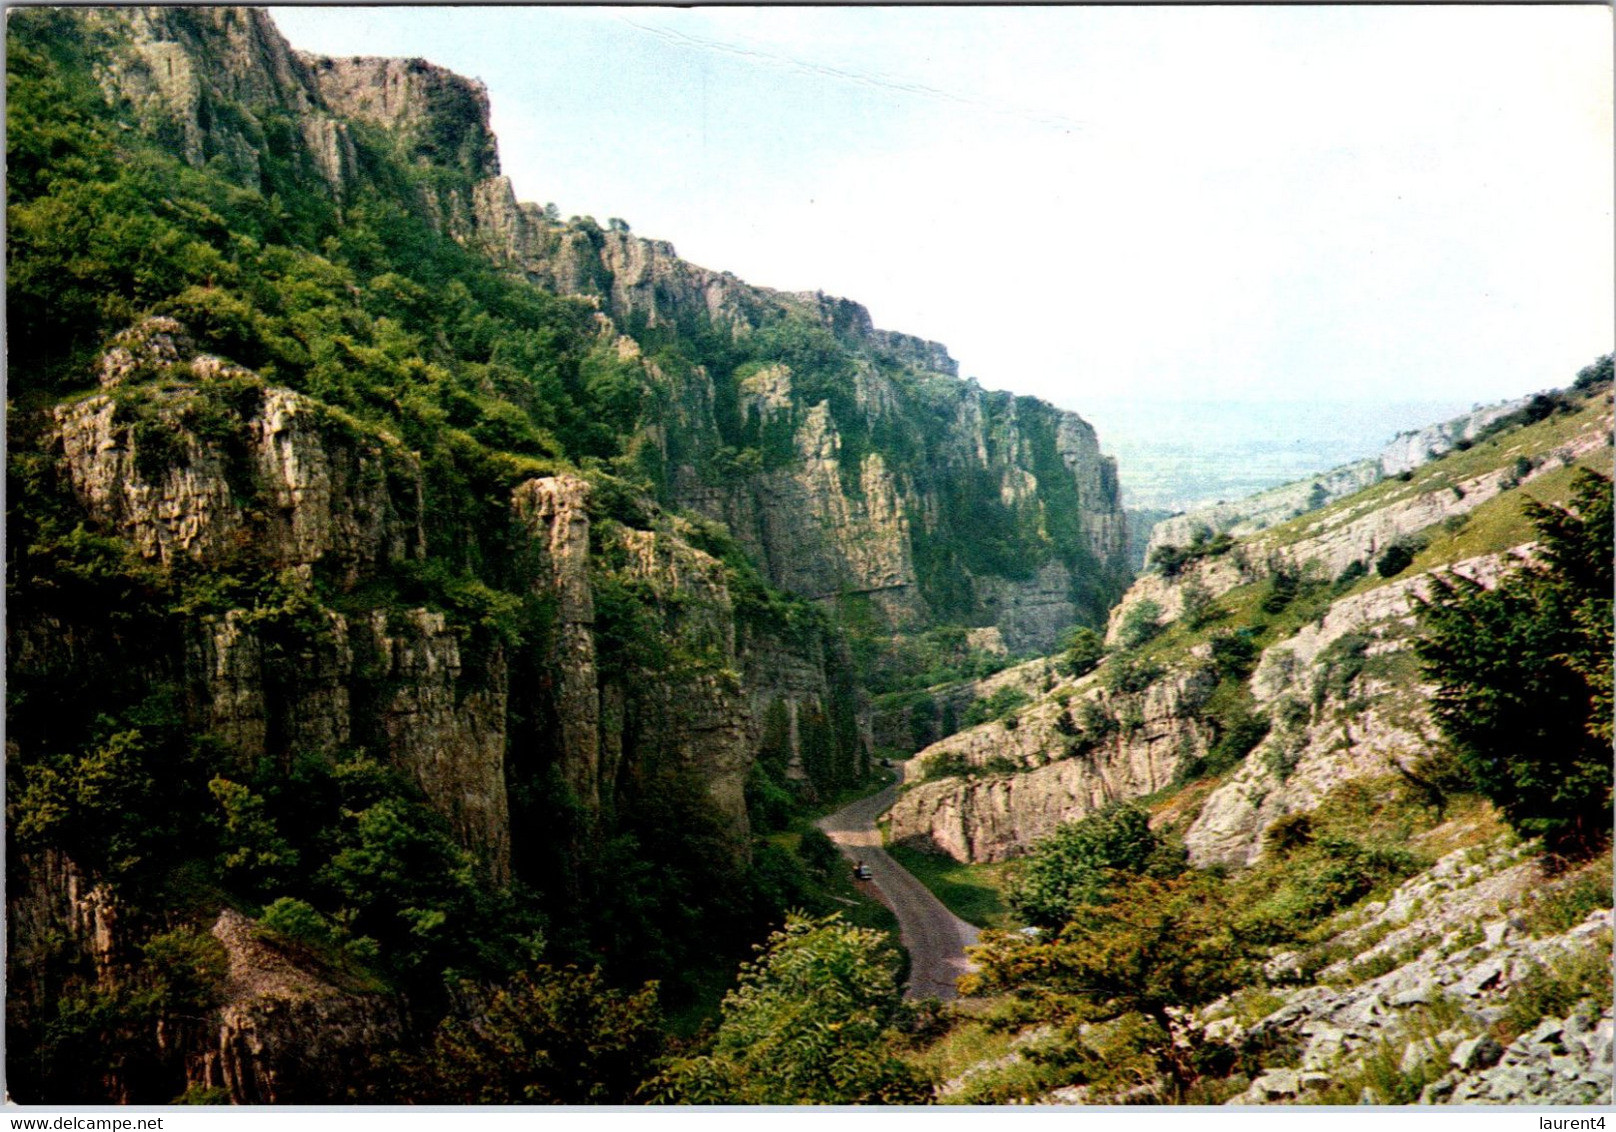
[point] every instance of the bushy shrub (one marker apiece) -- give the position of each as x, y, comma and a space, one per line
1171, 560
999, 705
1199, 608
1084, 649
1140, 624
1523, 675
1234, 652
1077, 864
811, 1021
1590, 377
548, 1036
1283, 583
1125, 676
298, 920
1396, 558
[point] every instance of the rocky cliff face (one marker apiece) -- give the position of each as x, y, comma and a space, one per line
206, 468
535, 642
845, 503
303, 492
221, 84
828, 521
1339, 695
1007, 784
287, 1032
1359, 527
1348, 703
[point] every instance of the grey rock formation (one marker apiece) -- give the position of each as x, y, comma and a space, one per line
326, 493
1337, 1022
285, 1031
1022, 782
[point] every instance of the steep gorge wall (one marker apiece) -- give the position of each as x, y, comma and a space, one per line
259, 481
1011, 783
1404, 453
302, 491
826, 521
1340, 697
848, 505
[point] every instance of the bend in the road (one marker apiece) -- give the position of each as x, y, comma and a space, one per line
935, 938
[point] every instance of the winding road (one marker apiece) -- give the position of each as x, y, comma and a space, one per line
933, 936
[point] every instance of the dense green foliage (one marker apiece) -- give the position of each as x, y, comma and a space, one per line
450, 381
809, 1023
1075, 865
1125, 949
1523, 674
1140, 624
415, 352
1172, 560
547, 1037
1084, 649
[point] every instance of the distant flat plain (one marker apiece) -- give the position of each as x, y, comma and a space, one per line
1184, 454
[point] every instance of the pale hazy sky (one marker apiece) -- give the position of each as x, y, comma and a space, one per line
1094, 205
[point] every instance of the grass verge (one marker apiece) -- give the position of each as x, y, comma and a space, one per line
974, 893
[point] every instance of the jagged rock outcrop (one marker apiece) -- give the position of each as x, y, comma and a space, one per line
1012, 786
825, 522
1358, 530
1339, 713
1448, 940
324, 492
203, 77
445, 724
439, 118
286, 1030
843, 512
694, 713
555, 511
58, 908
1408, 450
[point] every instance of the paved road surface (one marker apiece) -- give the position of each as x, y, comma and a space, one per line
935, 938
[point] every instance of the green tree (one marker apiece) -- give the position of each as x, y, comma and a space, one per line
1396, 558
1140, 624
809, 1023
550, 1036
1523, 674
1154, 948
1084, 650
1199, 608
1075, 865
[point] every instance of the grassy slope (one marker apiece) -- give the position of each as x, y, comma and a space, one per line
1379, 812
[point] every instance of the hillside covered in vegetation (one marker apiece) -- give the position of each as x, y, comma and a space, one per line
434, 626
431, 621
1325, 818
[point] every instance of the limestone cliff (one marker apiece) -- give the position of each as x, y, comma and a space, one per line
830, 518
645, 665
221, 85
874, 480
304, 492
287, 1031
1004, 785
1336, 693
1348, 702
556, 564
